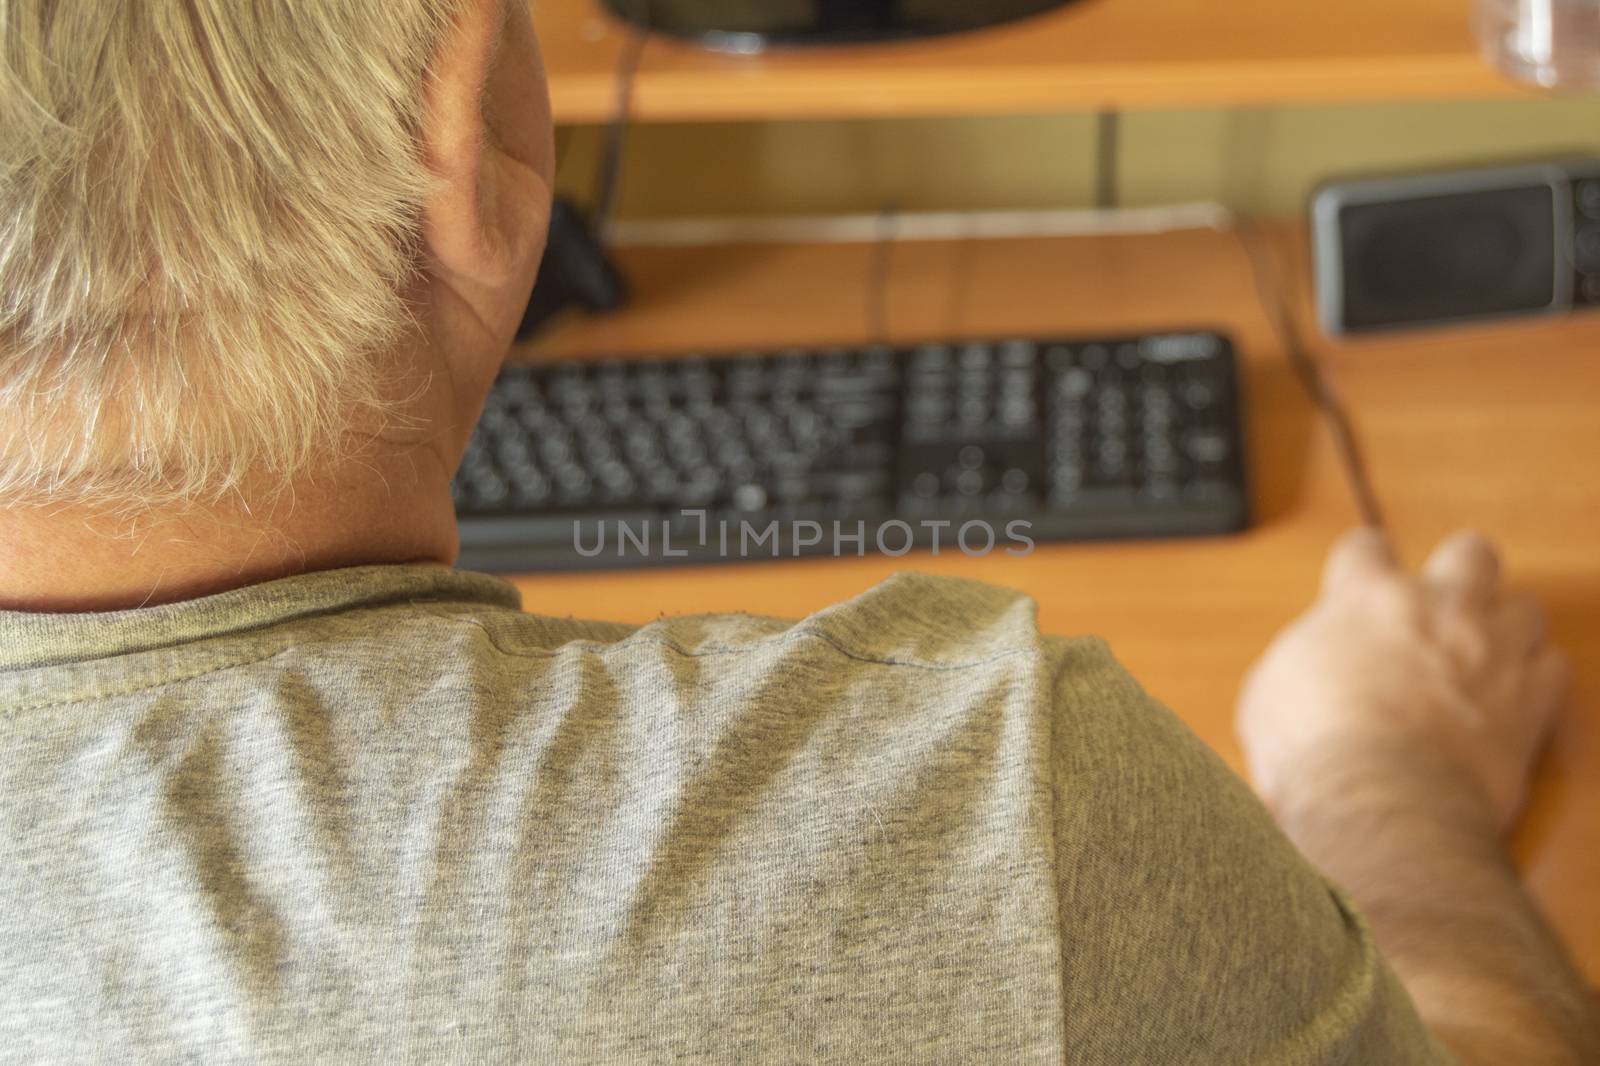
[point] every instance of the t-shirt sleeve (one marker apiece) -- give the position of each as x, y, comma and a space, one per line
1191, 929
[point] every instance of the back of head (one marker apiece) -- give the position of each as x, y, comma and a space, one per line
208, 216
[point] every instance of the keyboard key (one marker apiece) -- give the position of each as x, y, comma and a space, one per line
1018, 354
977, 357
1075, 383
969, 482
750, 497
1207, 446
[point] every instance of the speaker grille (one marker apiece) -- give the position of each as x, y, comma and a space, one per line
1456, 256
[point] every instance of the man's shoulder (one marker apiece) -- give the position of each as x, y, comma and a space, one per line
929, 621
911, 619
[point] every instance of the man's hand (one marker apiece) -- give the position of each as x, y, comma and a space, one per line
1391, 730
1448, 668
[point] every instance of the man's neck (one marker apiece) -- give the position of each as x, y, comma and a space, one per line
387, 509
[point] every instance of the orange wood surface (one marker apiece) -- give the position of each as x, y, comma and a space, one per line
1495, 428
1095, 54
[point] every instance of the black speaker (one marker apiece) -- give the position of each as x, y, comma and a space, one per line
1426, 249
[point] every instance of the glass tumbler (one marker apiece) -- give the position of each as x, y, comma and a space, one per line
1554, 44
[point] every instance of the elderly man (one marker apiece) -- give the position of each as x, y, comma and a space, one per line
279, 786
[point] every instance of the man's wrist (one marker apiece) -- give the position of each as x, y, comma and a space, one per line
1352, 780
1411, 835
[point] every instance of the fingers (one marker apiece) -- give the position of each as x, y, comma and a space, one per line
1465, 567
1521, 624
1360, 555
1548, 681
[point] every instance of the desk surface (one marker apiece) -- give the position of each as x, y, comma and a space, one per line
1094, 54
1492, 427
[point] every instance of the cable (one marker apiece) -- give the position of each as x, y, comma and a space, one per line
609, 176
881, 273
1108, 152
563, 148
1312, 378
960, 286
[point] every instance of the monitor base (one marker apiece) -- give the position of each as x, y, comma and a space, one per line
755, 25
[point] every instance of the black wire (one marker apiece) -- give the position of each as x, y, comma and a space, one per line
1108, 153
606, 182
960, 286
881, 272
1312, 378
563, 147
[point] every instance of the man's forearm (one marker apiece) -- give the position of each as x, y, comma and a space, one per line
1414, 846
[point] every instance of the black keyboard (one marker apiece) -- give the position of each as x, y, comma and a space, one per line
974, 446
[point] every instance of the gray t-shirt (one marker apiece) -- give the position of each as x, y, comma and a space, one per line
379, 815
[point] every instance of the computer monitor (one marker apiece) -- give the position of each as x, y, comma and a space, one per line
752, 25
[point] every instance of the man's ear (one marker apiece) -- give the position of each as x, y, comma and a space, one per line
485, 217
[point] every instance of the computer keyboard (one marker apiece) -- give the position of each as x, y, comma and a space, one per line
976, 446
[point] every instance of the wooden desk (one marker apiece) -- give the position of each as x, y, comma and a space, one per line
1495, 428
1095, 54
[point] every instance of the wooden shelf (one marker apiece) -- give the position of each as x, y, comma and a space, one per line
1095, 54
1490, 427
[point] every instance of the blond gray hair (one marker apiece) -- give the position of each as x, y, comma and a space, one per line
208, 215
